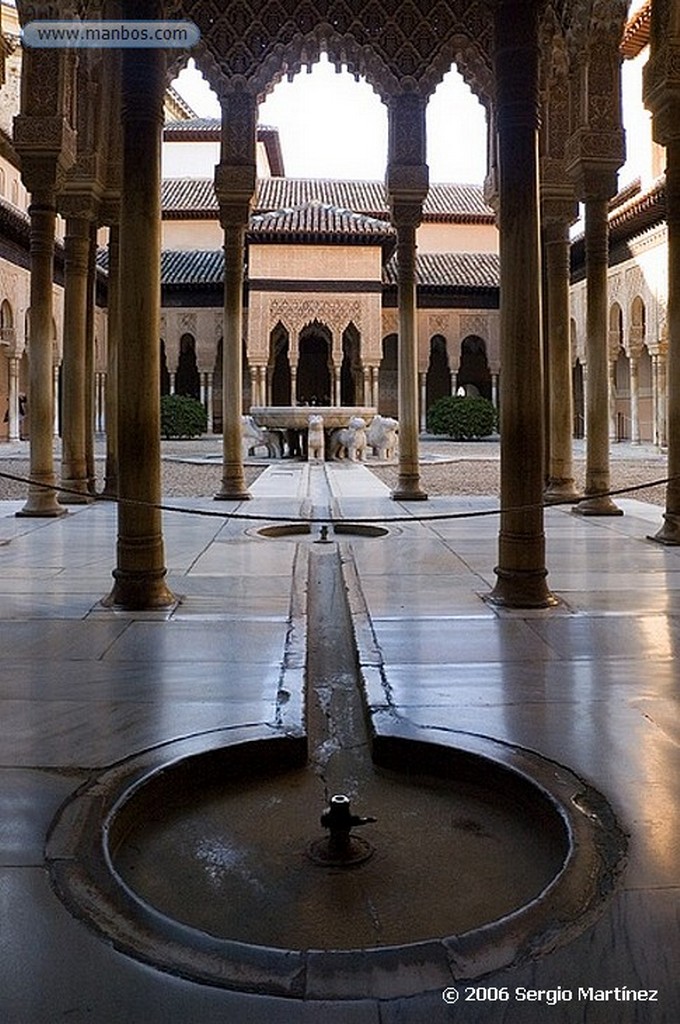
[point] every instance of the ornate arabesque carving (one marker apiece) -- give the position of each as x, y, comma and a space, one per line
296, 315
389, 42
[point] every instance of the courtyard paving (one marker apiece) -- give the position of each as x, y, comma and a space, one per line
592, 684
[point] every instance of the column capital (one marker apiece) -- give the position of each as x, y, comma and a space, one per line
661, 75
594, 167
235, 188
81, 206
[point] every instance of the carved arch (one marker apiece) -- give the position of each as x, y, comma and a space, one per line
389, 42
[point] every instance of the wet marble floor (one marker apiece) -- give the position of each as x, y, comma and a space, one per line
593, 684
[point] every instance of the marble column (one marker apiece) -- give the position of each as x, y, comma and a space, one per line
422, 379
561, 485
74, 479
611, 404
112, 344
209, 400
235, 186
407, 185
172, 377
139, 578
41, 501
598, 479
634, 398
662, 401
293, 382
670, 531
521, 571
375, 387
234, 486
56, 376
337, 385
89, 363
13, 399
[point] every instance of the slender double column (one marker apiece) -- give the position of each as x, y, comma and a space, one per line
112, 344
41, 501
407, 185
561, 485
140, 572
521, 571
670, 531
598, 481
74, 477
235, 178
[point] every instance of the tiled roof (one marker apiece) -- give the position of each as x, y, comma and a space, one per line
460, 271
638, 213
317, 221
186, 197
194, 197
193, 129
636, 32
192, 266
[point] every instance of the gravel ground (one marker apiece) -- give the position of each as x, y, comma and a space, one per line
471, 469
483, 477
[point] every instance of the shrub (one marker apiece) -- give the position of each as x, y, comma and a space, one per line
182, 416
462, 419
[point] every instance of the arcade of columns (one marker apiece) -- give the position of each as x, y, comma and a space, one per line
89, 137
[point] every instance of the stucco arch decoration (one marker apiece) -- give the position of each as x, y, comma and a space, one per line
394, 44
295, 316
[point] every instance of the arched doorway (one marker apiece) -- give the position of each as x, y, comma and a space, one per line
388, 377
314, 375
438, 380
165, 375
473, 372
579, 400
187, 381
278, 368
351, 372
622, 410
645, 395
217, 389
6, 341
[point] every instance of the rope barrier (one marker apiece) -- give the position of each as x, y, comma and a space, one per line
323, 520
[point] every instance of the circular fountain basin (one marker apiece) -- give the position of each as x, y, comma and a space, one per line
484, 856
295, 531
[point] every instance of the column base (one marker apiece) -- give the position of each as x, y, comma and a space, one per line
669, 534
76, 493
597, 506
561, 490
522, 588
235, 494
409, 496
408, 489
139, 591
41, 502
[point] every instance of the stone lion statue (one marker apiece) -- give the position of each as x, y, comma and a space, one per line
350, 442
254, 437
315, 439
381, 436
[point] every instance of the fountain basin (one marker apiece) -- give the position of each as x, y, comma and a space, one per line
170, 901
296, 531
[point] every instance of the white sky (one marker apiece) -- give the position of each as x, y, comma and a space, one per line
333, 127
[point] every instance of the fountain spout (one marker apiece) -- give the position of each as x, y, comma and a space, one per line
340, 848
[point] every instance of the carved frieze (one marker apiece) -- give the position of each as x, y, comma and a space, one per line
393, 43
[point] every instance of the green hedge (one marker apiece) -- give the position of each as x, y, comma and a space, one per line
462, 419
182, 416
